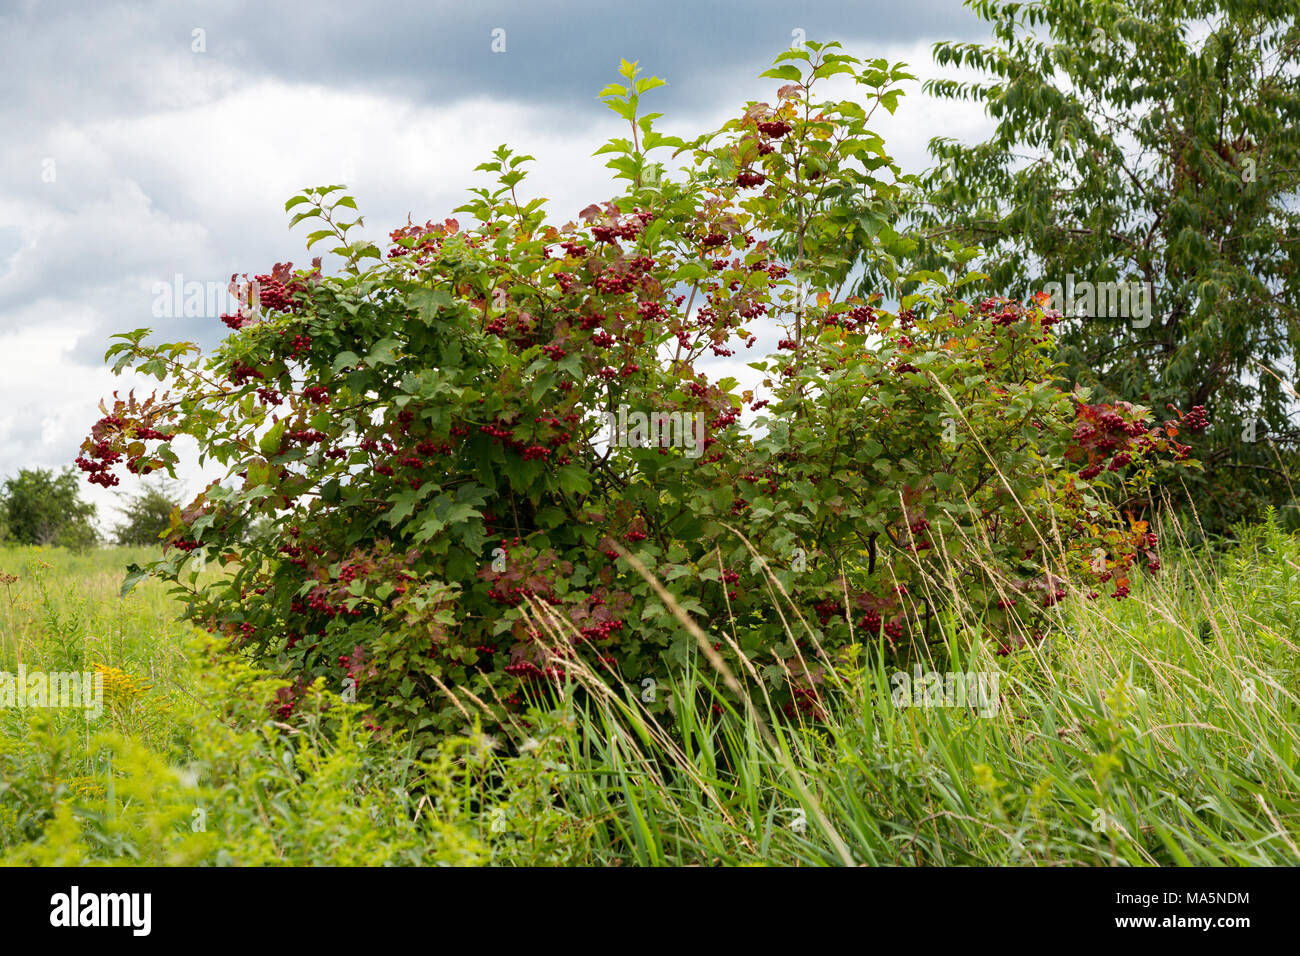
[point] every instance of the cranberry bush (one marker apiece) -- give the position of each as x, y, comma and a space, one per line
427, 428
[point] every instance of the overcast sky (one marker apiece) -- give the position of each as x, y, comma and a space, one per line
150, 139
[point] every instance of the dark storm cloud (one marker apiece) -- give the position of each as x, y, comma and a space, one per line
562, 49
153, 178
86, 56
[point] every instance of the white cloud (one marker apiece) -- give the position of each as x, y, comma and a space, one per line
194, 182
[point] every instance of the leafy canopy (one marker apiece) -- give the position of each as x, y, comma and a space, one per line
1154, 142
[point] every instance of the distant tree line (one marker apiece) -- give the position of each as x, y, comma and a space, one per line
40, 506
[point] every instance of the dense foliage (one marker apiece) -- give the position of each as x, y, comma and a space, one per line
1152, 145
147, 516
40, 506
456, 522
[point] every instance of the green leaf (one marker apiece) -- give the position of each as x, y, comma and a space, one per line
428, 303
299, 217
787, 71
574, 480
134, 575
404, 503
384, 352
270, 443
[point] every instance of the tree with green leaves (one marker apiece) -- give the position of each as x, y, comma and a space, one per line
44, 508
148, 516
1148, 149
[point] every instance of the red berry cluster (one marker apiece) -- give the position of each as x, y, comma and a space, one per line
854, 320
725, 419
767, 476
499, 431
1111, 437
1003, 312
827, 609
355, 666
112, 437
615, 282
318, 600
527, 670
276, 291
240, 373
1053, 597
805, 702
774, 128
286, 701
617, 226
308, 436
601, 630
421, 242
98, 465
295, 556
274, 294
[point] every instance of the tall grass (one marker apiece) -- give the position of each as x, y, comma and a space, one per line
61, 609
1157, 730
186, 765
